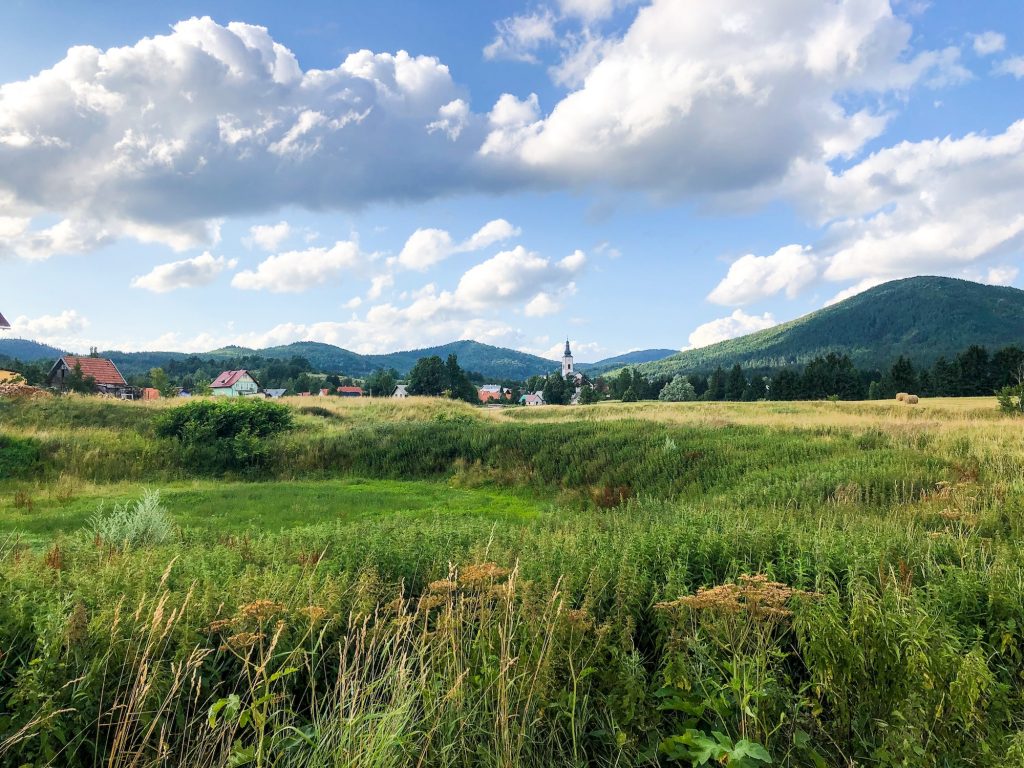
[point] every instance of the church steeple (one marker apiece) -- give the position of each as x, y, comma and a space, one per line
568, 352
567, 361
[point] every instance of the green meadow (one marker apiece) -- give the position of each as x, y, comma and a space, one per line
424, 583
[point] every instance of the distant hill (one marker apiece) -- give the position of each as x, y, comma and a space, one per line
491, 362
920, 317
625, 360
28, 351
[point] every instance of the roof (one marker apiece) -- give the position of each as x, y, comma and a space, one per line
274, 392
491, 388
401, 388
352, 390
103, 371
3, 322
229, 379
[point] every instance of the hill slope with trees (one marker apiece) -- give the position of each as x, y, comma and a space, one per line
922, 318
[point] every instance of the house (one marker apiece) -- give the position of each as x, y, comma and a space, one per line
235, 384
402, 390
108, 380
532, 398
493, 393
324, 393
350, 391
274, 393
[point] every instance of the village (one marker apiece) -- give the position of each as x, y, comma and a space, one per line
96, 375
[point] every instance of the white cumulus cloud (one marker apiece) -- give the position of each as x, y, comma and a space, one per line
62, 330
519, 37
211, 120
269, 236
297, 271
753, 277
429, 246
699, 98
739, 323
187, 273
987, 43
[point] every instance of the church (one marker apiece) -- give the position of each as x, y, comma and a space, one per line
569, 373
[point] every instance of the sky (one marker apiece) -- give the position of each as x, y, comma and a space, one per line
384, 176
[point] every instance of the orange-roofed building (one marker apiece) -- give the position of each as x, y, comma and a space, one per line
108, 380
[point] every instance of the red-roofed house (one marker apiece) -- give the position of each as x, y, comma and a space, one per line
235, 384
350, 391
109, 380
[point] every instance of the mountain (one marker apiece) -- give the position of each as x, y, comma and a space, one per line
628, 359
920, 317
28, 351
492, 362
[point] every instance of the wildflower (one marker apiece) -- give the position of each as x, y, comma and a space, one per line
481, 572
313, 613
755, 595
242, 641
260, 610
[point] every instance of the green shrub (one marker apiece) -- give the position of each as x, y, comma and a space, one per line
19, 456
224, 435
129, 526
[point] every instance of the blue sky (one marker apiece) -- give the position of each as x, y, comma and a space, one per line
395, 175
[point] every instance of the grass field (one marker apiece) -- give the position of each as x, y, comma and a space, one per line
425, 583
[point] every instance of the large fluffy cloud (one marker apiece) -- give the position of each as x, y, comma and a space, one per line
62, 330
160, 139
753, 277
929, 206
209, 120
739, 323
187, 273
702, 97
297, 271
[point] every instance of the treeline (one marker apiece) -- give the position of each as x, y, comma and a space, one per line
974, 372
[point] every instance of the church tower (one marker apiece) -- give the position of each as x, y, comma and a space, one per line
567, 370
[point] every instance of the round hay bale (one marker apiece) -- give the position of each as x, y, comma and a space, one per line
912, 400
901, 396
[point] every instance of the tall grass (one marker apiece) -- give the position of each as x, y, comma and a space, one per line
816, 595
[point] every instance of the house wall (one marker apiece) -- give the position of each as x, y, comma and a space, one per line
241, 388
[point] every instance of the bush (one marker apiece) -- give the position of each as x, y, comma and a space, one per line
19, 456
224, 435
1011, 400
130, 526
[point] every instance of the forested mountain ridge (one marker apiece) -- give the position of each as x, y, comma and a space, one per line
922, 318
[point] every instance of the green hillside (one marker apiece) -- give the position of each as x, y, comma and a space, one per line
921, 317
27, 351
627, 359
492, 362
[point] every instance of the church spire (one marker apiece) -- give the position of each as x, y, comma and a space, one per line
568, 352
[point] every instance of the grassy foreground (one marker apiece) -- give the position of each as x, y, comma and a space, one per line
424, 583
